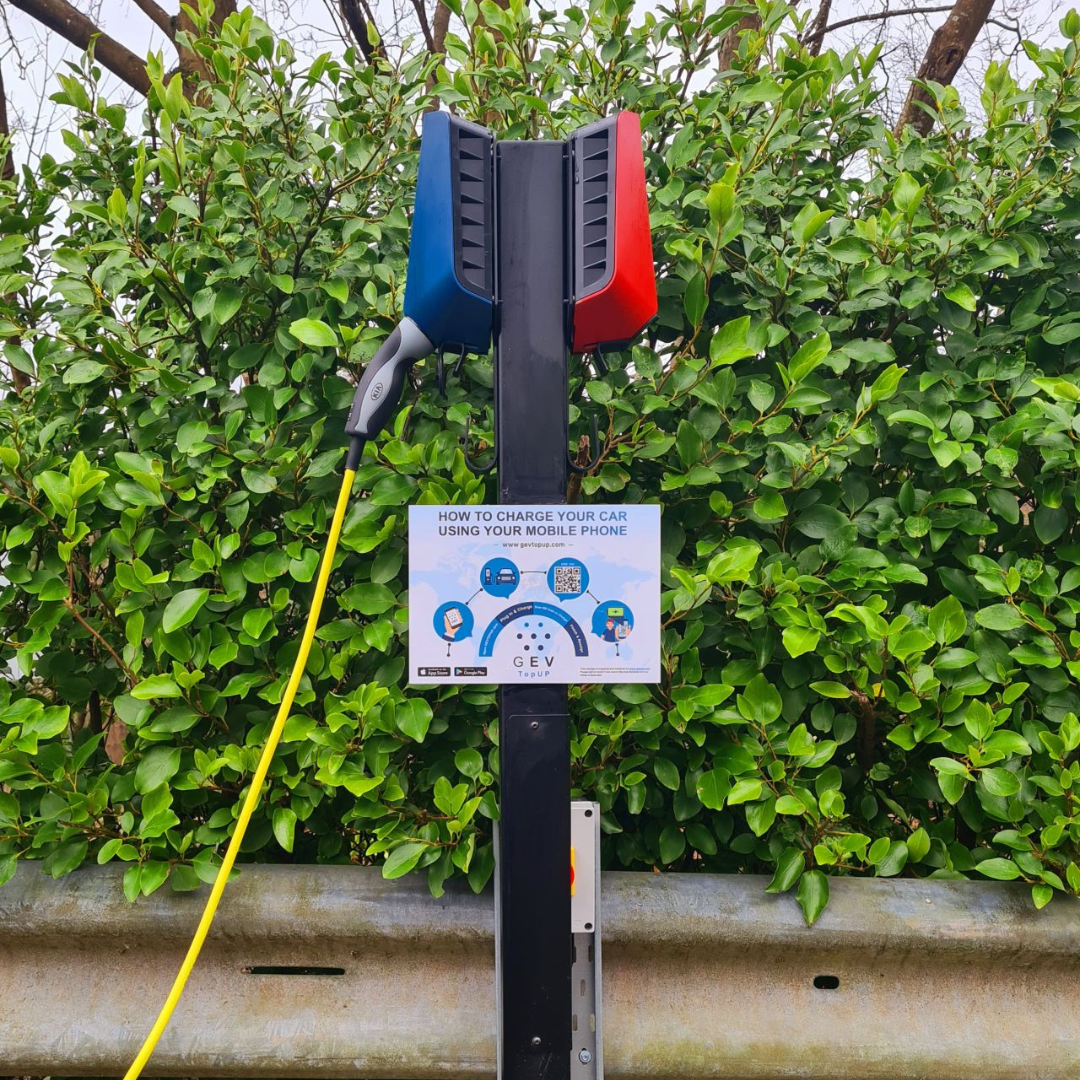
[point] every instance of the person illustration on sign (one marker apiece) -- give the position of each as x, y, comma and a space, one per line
453, 621
613, 623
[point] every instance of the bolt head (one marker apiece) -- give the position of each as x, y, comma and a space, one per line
536, 1040
584, 1057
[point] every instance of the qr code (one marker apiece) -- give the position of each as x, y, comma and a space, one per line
567, 579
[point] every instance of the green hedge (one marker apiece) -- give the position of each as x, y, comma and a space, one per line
858, 408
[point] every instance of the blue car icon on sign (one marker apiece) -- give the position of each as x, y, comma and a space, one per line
505, 577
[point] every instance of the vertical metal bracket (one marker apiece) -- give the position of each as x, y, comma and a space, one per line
533, 870
587, 1043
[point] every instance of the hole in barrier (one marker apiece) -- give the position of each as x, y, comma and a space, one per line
826, 982
292, 969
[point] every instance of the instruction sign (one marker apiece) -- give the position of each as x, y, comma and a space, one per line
516, 594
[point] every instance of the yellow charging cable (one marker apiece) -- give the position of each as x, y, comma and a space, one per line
252, 799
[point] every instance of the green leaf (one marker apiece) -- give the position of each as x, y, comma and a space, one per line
694, 299
808, 223
829, 689
962, 295
712, 788
284, 823
761, 815
770, 506
666, 772
850, 249
811, 354
999, 869
821, 522
413, 718
227, 303
158, 766
183, 206
733, 564
800, 639
83, 371
721, 203
789, 868
67, 857
469, 762
688, 443
156, 686
918, 844
1062, 334
402, 859
132, 877
672, 844
315, 333
894, 861
813, 895
947, 620
730, 343
1000, 782
999, 617
182, 608
760, 701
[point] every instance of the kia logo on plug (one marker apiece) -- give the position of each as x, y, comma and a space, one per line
376, 391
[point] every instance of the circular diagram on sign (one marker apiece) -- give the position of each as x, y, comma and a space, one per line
613, 621
568, 578
453, 621
499, 577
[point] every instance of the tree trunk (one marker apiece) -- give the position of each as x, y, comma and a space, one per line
7, 166
193, 67
72, 25
816, 34
946, 52
729, 44
19, 379
440, 24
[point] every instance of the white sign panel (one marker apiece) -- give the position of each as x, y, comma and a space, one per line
514, 594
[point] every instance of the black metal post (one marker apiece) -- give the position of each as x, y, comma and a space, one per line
534, 747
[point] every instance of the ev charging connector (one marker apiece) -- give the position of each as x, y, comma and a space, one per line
448, 289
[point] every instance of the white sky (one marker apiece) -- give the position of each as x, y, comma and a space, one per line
31, 55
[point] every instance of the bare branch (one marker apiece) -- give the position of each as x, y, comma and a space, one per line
944, 55
877, 16
160, 17
65, 20
425, 27
357, 22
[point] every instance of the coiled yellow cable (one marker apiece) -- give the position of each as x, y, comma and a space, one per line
252, 799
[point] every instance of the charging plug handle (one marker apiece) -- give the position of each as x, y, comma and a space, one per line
379, 391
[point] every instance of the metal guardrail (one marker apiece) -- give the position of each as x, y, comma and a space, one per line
332, 972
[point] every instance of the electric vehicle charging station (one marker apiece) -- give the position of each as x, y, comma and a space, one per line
568, 232
541, 248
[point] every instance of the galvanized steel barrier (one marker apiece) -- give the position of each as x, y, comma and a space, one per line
332, 972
